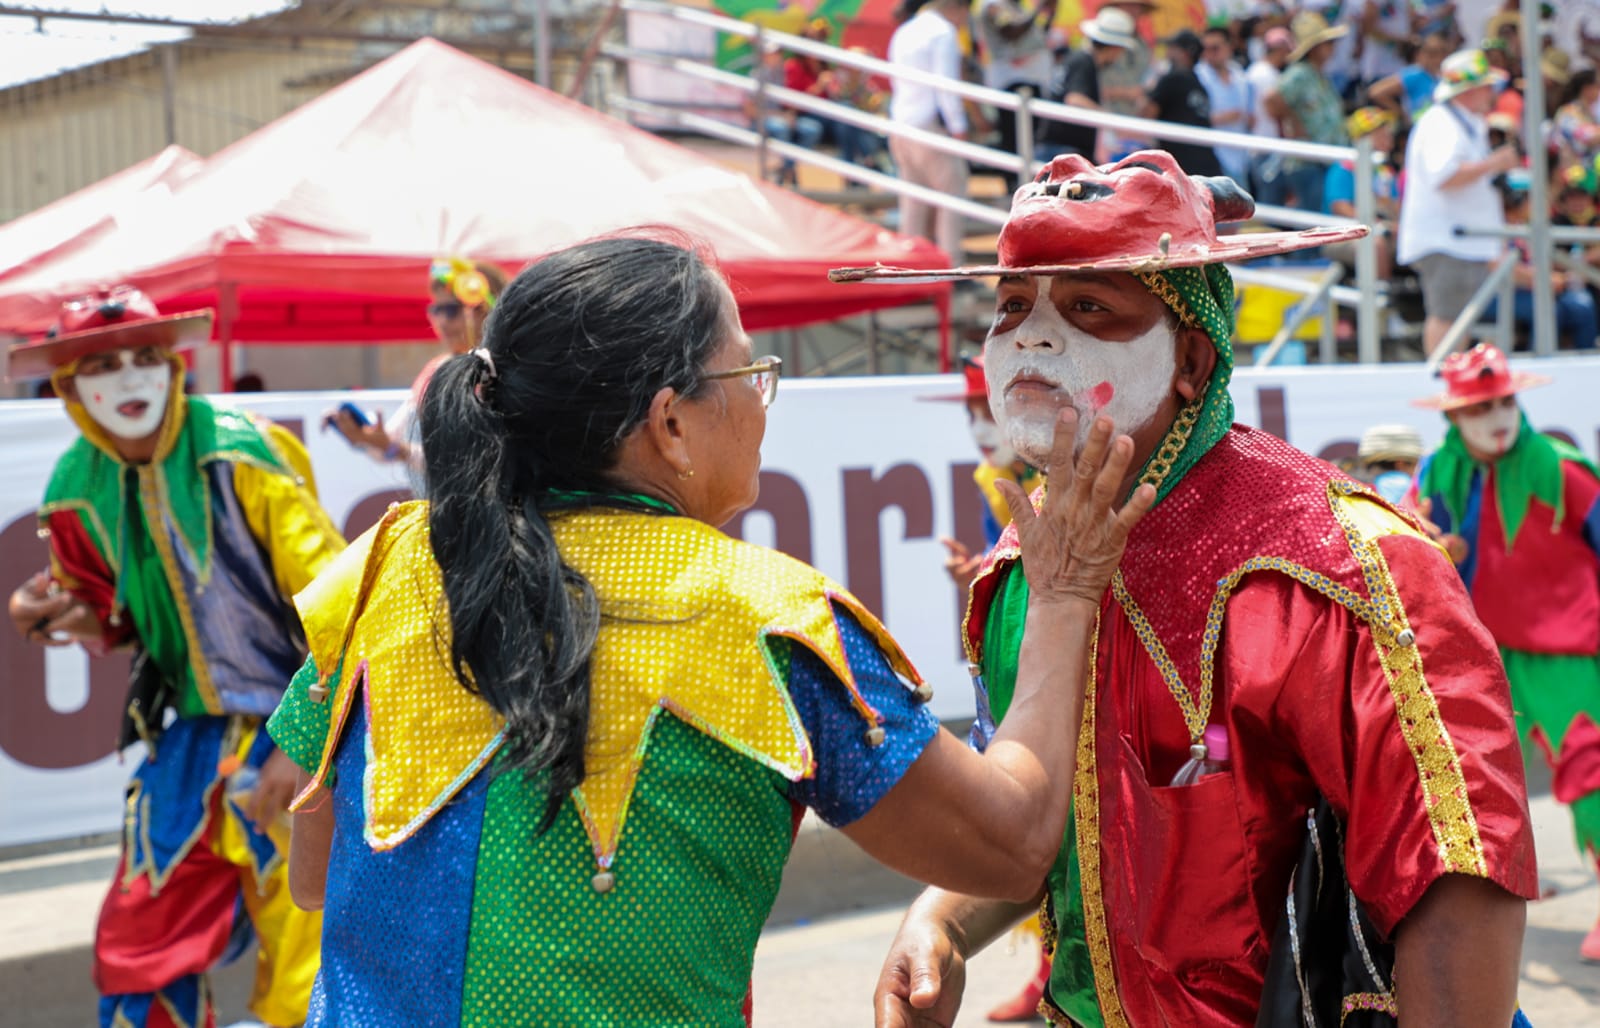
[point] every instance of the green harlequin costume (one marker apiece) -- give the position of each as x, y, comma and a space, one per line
642, 903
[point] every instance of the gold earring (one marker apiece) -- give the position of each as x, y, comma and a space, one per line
686, 475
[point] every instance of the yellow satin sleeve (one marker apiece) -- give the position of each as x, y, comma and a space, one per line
284, 514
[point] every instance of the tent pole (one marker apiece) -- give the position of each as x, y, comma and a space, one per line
227, 304
942, 305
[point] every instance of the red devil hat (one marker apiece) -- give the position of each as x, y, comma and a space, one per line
1475, 376
120, 318
1140, 214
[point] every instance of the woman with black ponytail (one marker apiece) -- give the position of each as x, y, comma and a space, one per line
557, 728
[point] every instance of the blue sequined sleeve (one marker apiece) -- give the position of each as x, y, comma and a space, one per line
853, 776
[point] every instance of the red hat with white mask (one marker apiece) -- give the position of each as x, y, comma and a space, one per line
112, 318
1141, 214
972, 378
1480, 374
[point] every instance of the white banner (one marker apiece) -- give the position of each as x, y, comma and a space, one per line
860, 478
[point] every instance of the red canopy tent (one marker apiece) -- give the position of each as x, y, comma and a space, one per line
73, 221
320, 226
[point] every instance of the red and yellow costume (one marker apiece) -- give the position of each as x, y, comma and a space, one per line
1267, 596
192, 557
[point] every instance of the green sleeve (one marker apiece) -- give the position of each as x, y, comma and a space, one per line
1002, 639
299, 726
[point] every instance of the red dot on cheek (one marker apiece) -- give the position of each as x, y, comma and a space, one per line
1101, 395
98, 398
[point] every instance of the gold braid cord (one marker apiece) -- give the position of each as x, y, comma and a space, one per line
1157, 283
1177, 437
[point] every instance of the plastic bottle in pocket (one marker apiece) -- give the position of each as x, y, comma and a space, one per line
1205, 760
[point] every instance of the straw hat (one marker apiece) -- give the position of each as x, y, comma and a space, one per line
1312, 30
1480, 374
121, 318
1112, 27
1141, 214
1555, 64
1389, 442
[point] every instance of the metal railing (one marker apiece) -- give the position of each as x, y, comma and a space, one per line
1501, 284
1364, 298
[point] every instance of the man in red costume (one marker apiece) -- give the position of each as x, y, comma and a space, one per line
1521, 514
1279, 642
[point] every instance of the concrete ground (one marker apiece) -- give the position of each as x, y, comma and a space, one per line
815, 966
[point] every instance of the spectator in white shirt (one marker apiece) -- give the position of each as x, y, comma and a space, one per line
1231, 102
1450, 173
929, 42
1268, 184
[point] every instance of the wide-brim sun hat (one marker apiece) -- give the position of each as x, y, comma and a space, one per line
120, 318
1112, 27
1390, 442
1482, 373
1464, 71
1311, 30
1141, 214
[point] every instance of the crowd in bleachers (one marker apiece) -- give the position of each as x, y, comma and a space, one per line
1314, 70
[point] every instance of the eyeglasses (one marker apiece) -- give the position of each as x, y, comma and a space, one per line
446, 310
763, 374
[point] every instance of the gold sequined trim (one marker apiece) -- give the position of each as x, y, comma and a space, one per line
1444, 787
1086, 810
1157, 283
1195, 714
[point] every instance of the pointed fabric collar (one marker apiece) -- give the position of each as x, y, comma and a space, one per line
691, 620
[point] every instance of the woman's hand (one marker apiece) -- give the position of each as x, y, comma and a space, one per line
1073, 544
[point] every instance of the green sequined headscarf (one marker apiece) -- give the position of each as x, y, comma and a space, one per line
1201, 297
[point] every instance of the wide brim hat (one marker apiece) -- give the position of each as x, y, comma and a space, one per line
1141, 214
1311, 30
1464, 71
1112, 27
114, 319
1482, 373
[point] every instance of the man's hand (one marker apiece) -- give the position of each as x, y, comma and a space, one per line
1453, 544
275, 790
45, 613
922, 980
372, 437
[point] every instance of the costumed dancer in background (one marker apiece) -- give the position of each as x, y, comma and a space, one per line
1277, 640
462, 293
555, 700
1520, 513
1000, 463
182, 529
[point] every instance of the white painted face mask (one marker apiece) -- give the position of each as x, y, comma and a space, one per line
1493, 433
992, 443
1126, 381
129, 402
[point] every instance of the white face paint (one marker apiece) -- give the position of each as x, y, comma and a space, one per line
1493, 432
130, 401
1045, 364
992, 443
